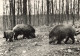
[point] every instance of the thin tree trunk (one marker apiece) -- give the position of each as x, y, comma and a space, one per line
25, 11
56, 10
29, 8
21, 6
52, 7
47, 13
42, 13
18, 8
10, 6
34, 13
34, 7
42, 6
78, 8
59, 12
73, 11
13, 13
21, 20
67, 10
4, 25
62, 11
52, 15
38, 13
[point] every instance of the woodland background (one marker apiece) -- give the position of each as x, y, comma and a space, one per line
39, 12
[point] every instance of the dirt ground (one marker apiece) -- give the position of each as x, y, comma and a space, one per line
38, 46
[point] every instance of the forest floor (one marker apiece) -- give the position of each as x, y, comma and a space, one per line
38, 46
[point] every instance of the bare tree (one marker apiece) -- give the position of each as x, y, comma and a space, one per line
42, 6
47, 13
18, 7
4, 25
10, 3
29, 8
59, 11
73, 11
67, 10
21, 6
55, 3
71, 7
25, 11
12, 13
52, 7
62, 11
42, 12
34, 12
13, 9
38, 12
78, 8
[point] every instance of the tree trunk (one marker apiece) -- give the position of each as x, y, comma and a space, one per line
38, 13
78, 8
13, 13
67, 10
18, 8
29, 9
73, 11
47, 23
25, 11
34, 14
52, 8
62, 11
59, 13
21, 6
42, 6
4, 25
